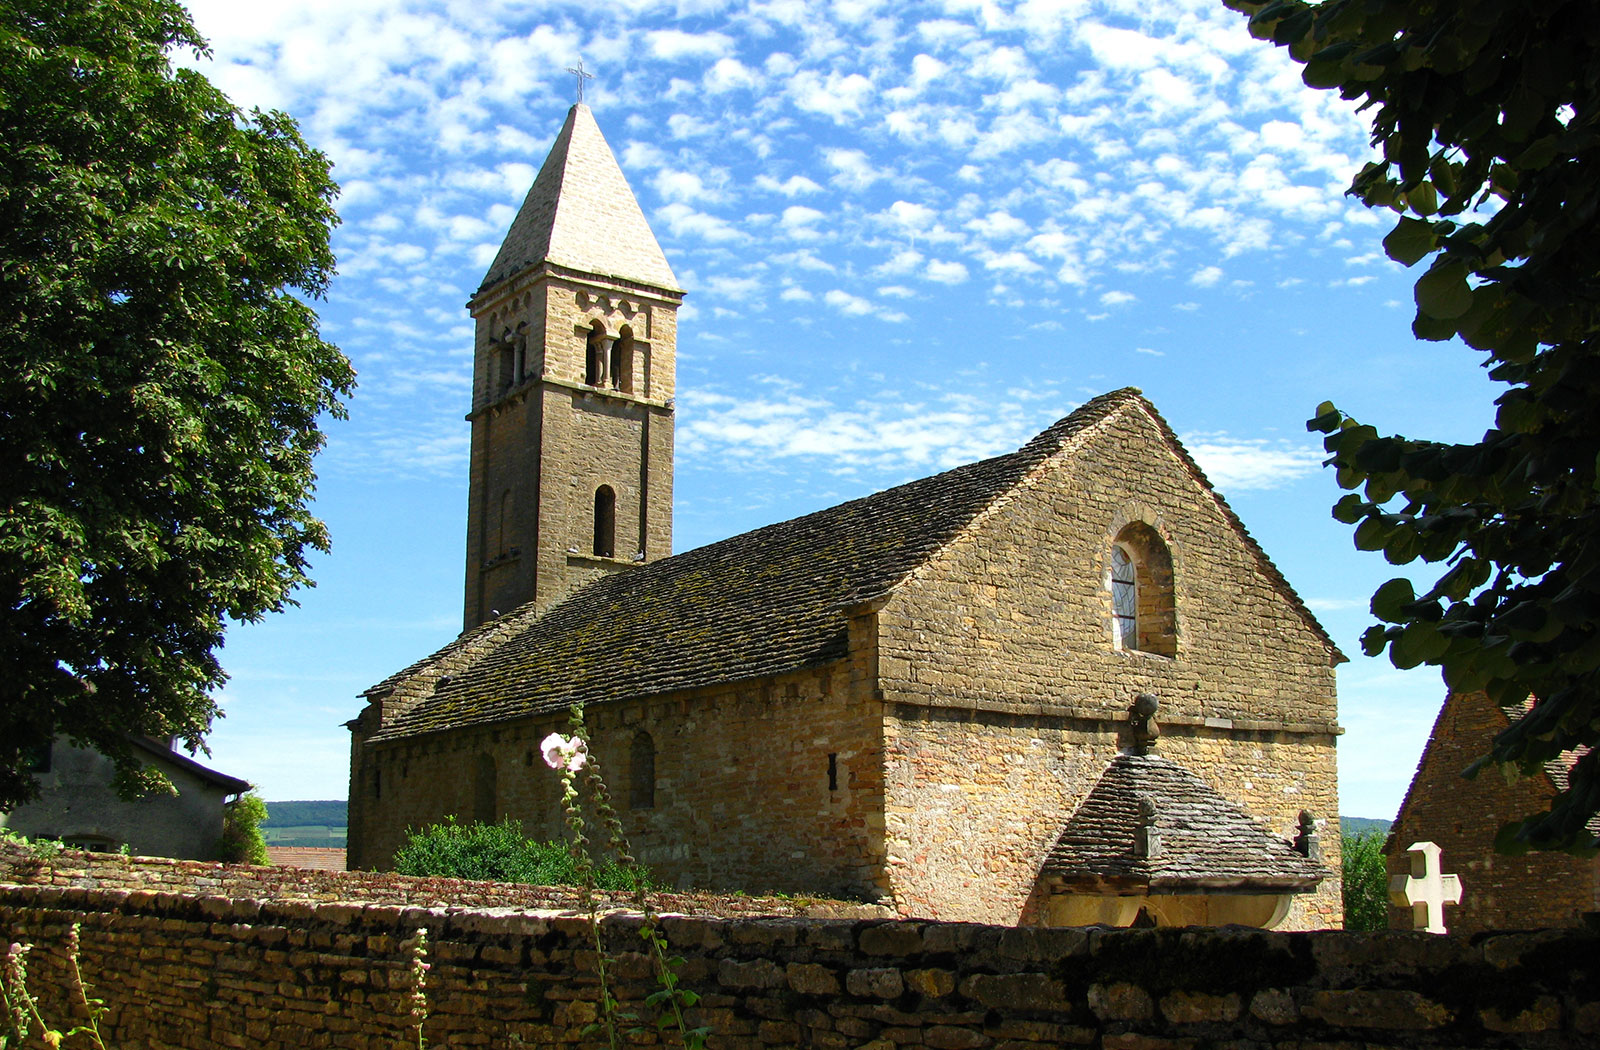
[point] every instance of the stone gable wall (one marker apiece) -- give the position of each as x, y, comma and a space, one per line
1004, 642
184, 970
1462, 816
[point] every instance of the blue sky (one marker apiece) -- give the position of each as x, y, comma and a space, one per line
913, 235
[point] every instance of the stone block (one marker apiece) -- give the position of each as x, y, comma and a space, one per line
1542, 1016
1390, 1010
1198, 1007
756, 973
1120, 1001
891, 938
812, 979
874, 983
930, 983
1274, 1006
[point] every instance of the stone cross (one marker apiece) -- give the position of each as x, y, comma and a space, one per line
581, 75
1427, 889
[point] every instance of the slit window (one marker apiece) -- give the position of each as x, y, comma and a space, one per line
622, 361
1124, 598
594, 365
833, 771
605, 522
642, 772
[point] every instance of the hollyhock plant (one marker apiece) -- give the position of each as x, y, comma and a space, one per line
562, 752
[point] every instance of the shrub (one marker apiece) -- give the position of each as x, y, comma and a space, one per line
1366, 882
498, 853
242, 842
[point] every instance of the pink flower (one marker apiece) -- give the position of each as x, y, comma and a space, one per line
561, 752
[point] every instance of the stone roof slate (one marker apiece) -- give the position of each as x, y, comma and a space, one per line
1207, 842
763, 603
581, 214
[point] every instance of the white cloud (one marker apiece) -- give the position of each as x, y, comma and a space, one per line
845, 303
833, 95
946, 272
793, 186
1238, 464
673, 44
852, 168
729, 74
1117, 298
1206, 276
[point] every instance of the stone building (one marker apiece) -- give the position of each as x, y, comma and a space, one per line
907, 697
1499, 892
79, 805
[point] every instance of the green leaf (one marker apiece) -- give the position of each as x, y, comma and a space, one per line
1409, 241
1388, 599
1423, 199
1443, 292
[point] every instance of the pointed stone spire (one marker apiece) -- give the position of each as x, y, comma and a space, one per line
580, 214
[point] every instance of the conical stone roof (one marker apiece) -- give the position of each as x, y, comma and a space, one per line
582, 215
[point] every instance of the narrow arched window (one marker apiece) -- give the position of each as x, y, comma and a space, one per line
1124, 598
642, 772
622, 361
605, 522
594, 364
1143, 600
484, 794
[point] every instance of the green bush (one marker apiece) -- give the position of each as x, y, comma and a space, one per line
500, 853
1366, 882
242, 842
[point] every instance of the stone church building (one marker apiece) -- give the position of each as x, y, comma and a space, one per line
946, 695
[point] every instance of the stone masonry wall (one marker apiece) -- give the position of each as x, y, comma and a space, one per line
1462, 816
715, 751
1009, 633
201, 972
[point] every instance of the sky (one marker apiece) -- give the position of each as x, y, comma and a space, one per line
912, 234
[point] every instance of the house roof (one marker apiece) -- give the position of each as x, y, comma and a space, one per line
758, 604
1207, 842
162, 753
581, 214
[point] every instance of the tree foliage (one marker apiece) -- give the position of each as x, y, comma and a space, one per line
1485, 113
242, 841
161, 375
1365, 882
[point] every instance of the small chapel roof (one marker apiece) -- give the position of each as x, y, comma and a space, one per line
762, 603
581, 214
1206, 841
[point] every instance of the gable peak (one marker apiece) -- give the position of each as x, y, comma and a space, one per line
581, 214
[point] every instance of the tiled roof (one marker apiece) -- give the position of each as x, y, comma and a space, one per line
1207, 842
1558, 769
757, 604
581, 214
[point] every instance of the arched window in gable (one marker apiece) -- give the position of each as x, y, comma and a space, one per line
642, 772
622, 361
605, 522
1143, 605
594, 365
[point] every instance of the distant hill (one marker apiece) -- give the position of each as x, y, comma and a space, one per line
331, 813
306, 823
1363, 825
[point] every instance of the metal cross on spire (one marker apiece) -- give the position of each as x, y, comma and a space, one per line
578, 71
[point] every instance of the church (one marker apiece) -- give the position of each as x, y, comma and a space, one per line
1061, 686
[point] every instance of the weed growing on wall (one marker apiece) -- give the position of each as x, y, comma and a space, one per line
21, 1009
570, 755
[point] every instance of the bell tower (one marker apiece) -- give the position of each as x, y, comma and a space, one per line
572, 390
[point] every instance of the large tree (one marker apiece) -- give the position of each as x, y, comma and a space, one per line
161, 376
1487, 117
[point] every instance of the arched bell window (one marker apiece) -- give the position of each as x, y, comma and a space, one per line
622, 361
594, 364
605, 522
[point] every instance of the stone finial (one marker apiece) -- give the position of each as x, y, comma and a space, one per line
1308, 842
1146, 838
1427, 889
1142, 721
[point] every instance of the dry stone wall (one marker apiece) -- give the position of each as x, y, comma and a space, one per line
204, 971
